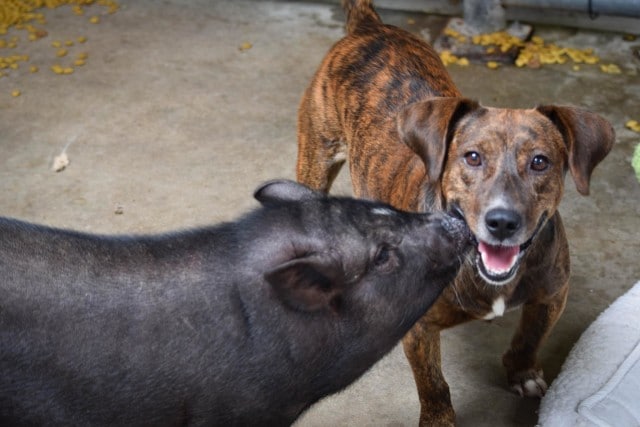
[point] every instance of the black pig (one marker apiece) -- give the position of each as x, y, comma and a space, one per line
246, 322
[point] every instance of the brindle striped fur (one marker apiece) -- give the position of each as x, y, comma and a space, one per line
383, 99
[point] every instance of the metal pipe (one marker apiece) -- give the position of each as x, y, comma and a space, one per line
630, 8
613, 15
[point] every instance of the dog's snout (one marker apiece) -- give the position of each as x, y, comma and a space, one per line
503, 223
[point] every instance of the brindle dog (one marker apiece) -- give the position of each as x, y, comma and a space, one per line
383, 98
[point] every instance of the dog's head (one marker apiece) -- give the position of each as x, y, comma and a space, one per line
503, 169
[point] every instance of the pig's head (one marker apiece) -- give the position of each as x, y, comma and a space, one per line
366, 269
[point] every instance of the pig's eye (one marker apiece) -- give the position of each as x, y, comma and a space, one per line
382, 256
385, 258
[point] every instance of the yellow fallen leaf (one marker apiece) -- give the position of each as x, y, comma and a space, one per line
633, 125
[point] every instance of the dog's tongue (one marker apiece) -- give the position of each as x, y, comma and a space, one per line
498, 258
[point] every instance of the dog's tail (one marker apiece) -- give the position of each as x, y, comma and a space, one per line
360, 15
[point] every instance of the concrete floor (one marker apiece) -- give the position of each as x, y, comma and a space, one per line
171, 125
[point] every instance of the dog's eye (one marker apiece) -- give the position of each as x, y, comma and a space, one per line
472, 158
539, 163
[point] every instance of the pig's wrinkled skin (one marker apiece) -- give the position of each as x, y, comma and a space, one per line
246, 322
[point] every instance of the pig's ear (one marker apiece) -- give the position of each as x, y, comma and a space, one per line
588, 138
427, 127
310, 283
284, 190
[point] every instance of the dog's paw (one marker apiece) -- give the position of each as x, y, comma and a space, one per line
529, 383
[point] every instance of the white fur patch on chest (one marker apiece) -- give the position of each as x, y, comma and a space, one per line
497, 309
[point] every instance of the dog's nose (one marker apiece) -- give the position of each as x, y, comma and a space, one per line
503, 223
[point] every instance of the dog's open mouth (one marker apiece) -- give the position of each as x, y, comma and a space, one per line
498, 264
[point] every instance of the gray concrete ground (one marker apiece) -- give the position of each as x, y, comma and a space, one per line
171, 125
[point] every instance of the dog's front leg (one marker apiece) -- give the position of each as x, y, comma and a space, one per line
422, 348
523, 373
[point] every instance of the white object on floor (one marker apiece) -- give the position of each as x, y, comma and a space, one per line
619, 399
599, 384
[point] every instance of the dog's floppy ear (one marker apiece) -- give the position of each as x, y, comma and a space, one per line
426, 127
309, 283
284, 190
588, 138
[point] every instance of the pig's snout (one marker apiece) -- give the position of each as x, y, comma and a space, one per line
459, 232
448, 240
